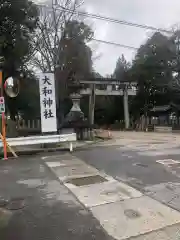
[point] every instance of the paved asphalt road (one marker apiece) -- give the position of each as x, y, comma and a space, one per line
147, 167
40, 207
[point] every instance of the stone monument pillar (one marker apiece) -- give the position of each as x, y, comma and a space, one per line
75, 116
75, 112
76, 98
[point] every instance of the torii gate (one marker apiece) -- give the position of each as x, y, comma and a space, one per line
95, 86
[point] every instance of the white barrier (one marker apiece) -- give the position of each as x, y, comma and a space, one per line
33, 140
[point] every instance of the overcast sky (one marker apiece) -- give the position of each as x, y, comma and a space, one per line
158, 13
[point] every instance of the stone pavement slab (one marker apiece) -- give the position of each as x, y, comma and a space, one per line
167, 233
103, 193
73, 171
133, 217
167, 193
64, 163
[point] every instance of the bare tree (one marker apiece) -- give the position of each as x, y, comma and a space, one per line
50, 44
53, 19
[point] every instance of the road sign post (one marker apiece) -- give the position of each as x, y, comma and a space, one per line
2, 111
2, 105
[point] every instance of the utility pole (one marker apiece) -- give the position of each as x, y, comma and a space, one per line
92, 107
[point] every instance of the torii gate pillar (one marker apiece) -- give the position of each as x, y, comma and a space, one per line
126, 108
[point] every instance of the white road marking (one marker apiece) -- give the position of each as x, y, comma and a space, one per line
168, 162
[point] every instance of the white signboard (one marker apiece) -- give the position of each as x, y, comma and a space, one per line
47, 102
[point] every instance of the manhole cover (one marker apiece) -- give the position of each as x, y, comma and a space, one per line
130, 213
15, 204
87, 180
141, 165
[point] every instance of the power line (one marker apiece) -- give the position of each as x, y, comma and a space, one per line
103, 41
113, 20
104, 18
115, 44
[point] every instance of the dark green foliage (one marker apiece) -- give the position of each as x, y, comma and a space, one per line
18, 20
